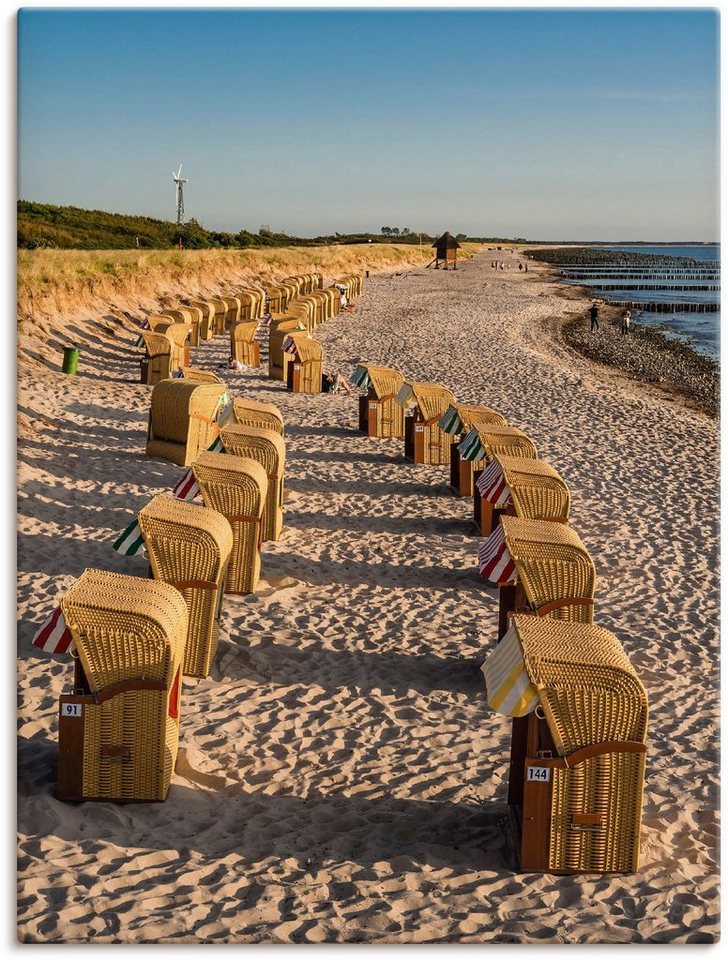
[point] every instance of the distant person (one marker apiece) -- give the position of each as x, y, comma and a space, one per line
593, 312
520, 266
525, 267
234, 364
626, 322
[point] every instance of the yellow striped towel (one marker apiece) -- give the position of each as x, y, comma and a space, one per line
509, 686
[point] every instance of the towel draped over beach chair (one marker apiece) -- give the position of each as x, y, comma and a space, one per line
268, 448
254, 413
189, 547
424, 441
183, 419
118, 732
578, 751
379, 415
236, 487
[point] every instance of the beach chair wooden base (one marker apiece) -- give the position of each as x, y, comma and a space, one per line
364, 414
304, 377
145, 370
485, 516
122, 771
461, 474
419, 446
381, 418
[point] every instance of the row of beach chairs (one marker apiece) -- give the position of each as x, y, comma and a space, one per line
579, 710
133, 639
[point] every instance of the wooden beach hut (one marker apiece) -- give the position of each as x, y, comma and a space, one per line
424, 441
268, 448
183, 419
446, 252
577, 763
304, 372
458, 420
189, 547
236, 487
255, 413
118, 730
379, 415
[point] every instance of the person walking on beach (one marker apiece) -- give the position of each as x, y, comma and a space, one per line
594, 317
626, 322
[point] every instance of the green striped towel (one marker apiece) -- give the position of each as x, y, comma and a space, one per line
360, 378
130, 542
470, 447
451, 422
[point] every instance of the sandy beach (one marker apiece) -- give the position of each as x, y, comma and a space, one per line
341, 777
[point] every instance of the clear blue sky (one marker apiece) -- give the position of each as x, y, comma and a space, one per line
546, 124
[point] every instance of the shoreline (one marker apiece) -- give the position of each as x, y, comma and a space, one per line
646, 356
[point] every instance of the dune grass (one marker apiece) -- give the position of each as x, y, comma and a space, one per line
55, 282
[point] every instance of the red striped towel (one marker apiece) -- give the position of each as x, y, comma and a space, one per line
54, 636
492, 485
495, 562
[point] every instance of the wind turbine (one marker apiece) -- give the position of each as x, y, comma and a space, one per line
180, 181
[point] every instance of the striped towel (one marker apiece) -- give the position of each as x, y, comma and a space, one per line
130, 541
178, 374
288, 345
509, 686
495, 562
451, 422
492, 485
53, 636
187, 488
360, 378
144, 324
470, 447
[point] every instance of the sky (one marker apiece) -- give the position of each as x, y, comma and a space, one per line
571, 124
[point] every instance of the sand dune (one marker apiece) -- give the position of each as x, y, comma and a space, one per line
341, 778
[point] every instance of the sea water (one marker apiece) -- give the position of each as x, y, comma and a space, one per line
700, 330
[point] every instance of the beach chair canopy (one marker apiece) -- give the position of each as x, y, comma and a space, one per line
200, 376
460, 417
125, 628
535, 489
432, 399
486, 440
578, 673
254, 413
305, 349
176, 402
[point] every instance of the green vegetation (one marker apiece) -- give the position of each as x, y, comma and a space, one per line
43, 225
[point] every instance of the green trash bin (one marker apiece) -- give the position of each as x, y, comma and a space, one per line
70, 360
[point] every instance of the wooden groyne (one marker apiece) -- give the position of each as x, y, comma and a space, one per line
653, 286
657, 307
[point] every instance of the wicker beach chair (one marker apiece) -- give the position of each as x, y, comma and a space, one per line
189, 547
577, 762
178, 334
243, 345
277, 298
218, 320
254, 413
278, 330
159, 322
269, 449
529, 489
157, 364
306, 310
207, 311
237, 488
118, 731
458, 420
479, 446
424, 441
200, 376
379, 415
252, 302
183, 419
191, 316
233, 307
545, 569
305, 370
